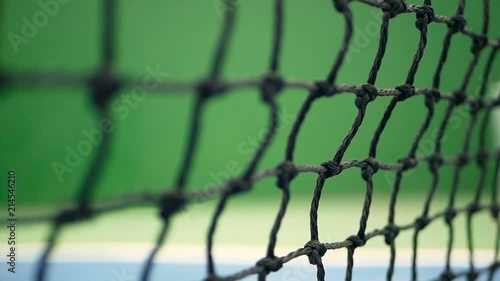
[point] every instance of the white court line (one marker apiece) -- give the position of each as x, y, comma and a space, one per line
238, 254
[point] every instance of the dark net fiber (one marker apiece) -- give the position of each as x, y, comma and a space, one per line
105, 83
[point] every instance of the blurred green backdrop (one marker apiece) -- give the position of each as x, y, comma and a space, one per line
39, 124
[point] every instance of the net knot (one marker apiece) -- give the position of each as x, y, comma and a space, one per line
459, 97
478, 43
457, 23
394, 7
3, 79
432, 96
235, 186
447, 276
286, 171
356, 241
370, 167
104, 86
473, 208
422, 222
209, 88
435, 161
391, 232
170, 203
476, 106
449, 215
472, 275
340, 5
323, 89
270, 264
366, 93
494, 266
408, 163
73, 215
425, 15
318, 250
405, 91
463, 159
271, 84
332, 169
482, 157
494, 211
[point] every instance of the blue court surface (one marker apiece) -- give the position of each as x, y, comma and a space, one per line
170, 271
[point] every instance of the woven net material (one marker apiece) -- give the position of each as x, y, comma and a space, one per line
105, 84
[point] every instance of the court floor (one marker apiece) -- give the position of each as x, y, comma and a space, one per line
113, 247
169, 271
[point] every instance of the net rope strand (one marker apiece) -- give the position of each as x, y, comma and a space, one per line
173, 202
434, 165
477, 47
104, 84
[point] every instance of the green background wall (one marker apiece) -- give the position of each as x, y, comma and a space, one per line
38, 124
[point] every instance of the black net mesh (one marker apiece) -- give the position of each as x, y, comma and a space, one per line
105, 84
